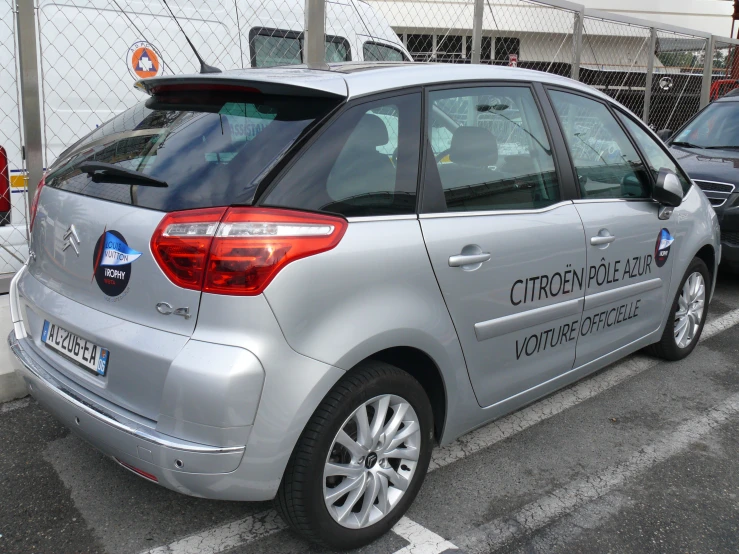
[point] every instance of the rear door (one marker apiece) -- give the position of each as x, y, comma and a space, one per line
628, 247
507, 250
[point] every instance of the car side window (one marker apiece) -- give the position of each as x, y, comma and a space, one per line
491, 150
271, 47
274, 47
374, 52
654, 152
337, 50
364, 164
606, 162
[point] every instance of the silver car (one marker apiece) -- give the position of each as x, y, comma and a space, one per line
292, 283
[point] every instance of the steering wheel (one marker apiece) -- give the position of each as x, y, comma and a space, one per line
441, 155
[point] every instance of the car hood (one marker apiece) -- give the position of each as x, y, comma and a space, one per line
709, 165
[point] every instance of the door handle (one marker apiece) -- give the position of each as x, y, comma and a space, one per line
468, 259
599, 240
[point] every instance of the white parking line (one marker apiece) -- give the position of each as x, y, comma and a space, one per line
543, 511
226, 536
422, 541
266, 523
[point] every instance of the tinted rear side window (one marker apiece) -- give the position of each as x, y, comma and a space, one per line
210, 150
276, 47
364, 164
374, 52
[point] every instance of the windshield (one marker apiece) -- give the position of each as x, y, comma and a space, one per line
715, 127
210, 151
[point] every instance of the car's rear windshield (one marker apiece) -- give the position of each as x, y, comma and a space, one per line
210, 149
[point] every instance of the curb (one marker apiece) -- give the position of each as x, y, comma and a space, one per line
11, 385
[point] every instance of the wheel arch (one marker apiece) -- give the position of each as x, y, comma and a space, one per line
708, 255
419, 365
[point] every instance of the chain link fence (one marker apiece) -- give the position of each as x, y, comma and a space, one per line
90, 53
530, 35
13, 232
725, 68
615, 59
677, 83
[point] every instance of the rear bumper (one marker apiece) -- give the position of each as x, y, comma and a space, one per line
187, 467
216, 373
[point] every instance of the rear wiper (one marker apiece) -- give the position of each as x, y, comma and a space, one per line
102, 172
685, 144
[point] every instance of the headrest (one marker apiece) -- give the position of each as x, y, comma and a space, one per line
370, 131
475, 146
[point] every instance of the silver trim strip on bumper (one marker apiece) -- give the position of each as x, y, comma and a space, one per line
101, 415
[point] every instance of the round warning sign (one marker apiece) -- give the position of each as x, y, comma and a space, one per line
144, 60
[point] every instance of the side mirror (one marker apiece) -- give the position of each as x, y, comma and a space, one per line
664, 134
668, 191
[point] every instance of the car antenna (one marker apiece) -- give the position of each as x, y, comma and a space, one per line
204, 67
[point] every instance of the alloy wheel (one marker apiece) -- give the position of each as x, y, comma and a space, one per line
372, 461
690, 306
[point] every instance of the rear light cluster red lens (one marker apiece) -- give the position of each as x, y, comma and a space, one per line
238, 251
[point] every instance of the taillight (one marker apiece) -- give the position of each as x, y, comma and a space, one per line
240, 252
181, 244
34, 203
4, 181
253, 244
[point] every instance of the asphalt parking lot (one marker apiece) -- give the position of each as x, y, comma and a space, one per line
640, 457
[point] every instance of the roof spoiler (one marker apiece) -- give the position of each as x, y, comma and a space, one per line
289, 82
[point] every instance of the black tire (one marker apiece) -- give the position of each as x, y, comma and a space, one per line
300, 499
667, 347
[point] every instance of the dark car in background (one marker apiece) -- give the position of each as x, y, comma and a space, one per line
707, 147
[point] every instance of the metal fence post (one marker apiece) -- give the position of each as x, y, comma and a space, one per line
707, 72
577, 44
31, 105
315, 32
650, 74
477, 31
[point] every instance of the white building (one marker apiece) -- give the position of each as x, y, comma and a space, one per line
528, 32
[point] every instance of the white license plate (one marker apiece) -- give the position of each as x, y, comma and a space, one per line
87, 354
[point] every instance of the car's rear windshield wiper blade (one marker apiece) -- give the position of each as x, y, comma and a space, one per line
110, 173
685, 144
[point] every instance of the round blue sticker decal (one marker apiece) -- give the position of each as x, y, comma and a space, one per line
662, 248
112, 261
